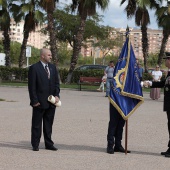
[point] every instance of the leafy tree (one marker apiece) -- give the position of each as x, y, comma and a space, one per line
15, 52
1, 47
163, 19
5, 27
84, 8
63, 53
49, 7
66, 24
152, 61
35, 55
27, 10
107, 44
139, 9
15, 48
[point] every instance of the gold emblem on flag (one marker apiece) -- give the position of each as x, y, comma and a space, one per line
119, 78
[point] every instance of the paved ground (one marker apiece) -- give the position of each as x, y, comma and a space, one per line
79, 131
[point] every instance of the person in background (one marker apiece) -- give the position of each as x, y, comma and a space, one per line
156, 75
141, 71
104, 78
166, 85
42, 82
109, 71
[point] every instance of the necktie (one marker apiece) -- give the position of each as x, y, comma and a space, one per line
46, 69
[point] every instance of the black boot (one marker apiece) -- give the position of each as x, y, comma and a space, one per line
110, 150
166, 152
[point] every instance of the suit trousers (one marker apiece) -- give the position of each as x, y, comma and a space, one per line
115, 128
168, 116
47, 117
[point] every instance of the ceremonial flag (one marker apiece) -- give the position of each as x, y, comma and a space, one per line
126, 91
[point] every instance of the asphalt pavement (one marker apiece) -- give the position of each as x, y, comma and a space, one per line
79, 133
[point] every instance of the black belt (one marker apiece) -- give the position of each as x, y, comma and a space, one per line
109, 77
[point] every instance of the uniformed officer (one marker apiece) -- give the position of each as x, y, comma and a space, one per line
166, 85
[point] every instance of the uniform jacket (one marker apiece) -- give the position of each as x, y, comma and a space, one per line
166, 85
40, 87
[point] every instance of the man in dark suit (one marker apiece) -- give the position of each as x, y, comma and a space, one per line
166, 85
42, 82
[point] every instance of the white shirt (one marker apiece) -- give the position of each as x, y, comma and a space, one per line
156, 75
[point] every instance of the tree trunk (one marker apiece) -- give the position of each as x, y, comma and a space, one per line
52, 32
145, 46
23, 49
77, 43
6, 43
163, 46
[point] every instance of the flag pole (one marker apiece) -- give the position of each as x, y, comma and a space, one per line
126, 130
126, 136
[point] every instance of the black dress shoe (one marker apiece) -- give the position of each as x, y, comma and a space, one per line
167, 155
121, 149
51, 148
110, 150
35, 149
164, 153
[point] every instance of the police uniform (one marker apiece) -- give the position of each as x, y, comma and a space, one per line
166, 85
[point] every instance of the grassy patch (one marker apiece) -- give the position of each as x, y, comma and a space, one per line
2, 100
11, 83
70, 86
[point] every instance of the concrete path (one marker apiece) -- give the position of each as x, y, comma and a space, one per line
79, 132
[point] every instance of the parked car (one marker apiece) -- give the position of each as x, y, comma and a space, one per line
91, 67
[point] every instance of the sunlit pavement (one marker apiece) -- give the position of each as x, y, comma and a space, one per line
79, 132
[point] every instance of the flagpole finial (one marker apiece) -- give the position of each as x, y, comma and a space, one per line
127, 31
127, 28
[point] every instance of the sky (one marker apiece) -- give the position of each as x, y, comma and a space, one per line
115, 16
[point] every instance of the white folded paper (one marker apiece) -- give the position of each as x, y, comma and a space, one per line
51, 99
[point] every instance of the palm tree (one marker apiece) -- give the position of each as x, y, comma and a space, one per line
85, 8
5, 27
163, 19
49, 7
139, 9
32, 17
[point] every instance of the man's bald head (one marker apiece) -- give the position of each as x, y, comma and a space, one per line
45, 55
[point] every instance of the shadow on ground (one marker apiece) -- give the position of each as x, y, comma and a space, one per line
27, 145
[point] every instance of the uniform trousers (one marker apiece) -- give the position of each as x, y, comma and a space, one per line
47, 117
115, 128
168, 116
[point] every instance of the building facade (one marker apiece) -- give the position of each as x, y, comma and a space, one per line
36, 38
154, 41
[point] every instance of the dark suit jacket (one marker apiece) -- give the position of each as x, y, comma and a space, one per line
40, 87
166, 85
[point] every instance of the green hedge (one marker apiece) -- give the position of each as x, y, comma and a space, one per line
21, 74
7, 73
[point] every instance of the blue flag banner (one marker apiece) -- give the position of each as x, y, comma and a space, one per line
126, 91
